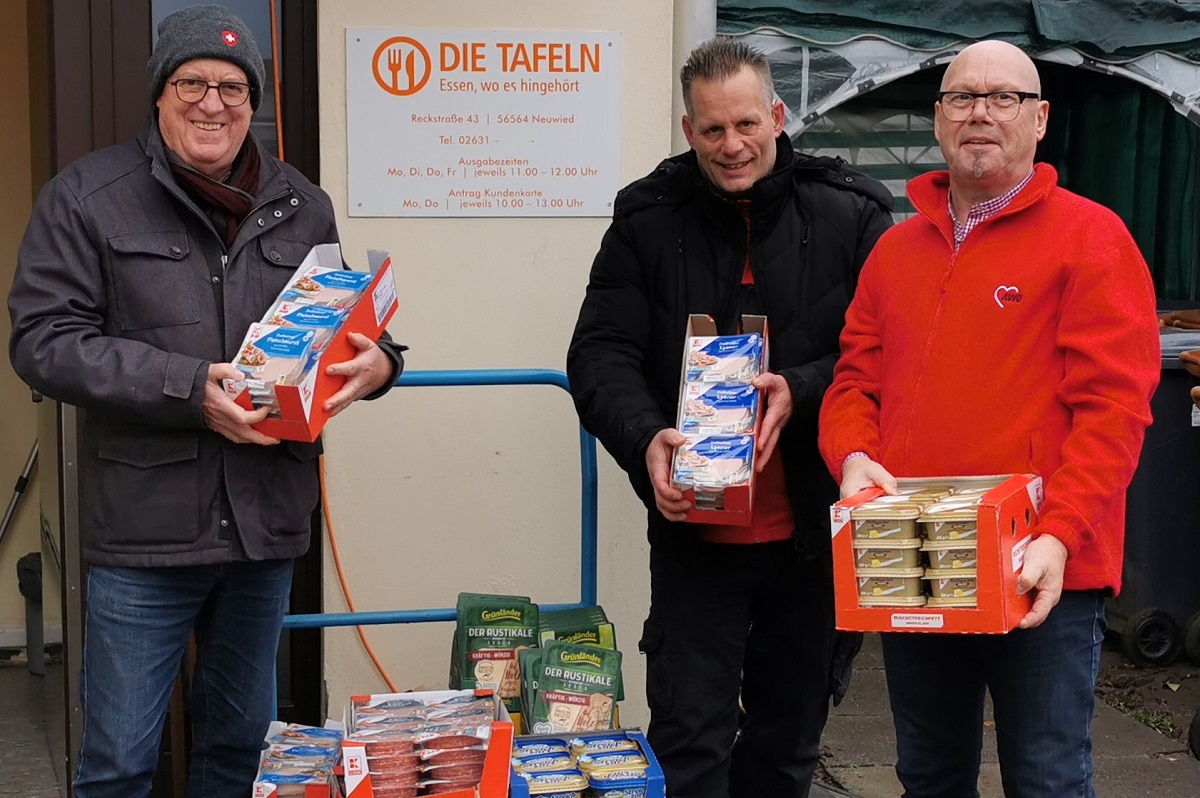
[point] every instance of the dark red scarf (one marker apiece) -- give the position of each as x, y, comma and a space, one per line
230, 201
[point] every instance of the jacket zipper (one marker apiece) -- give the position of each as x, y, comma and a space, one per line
914, 399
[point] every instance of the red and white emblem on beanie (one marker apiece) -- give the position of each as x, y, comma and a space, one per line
230, 38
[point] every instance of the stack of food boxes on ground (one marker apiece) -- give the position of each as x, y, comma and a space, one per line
616, 765
421, 743
917, 548
556, 671
298, 762
287, 344
718, 414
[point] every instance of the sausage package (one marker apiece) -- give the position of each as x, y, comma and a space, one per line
577, 689
719, 412
714, 463
724, 358
454, 743
325, 303
297, 761
323, 321
718, 409
272, 355
332, 288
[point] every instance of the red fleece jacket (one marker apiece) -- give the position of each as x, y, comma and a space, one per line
1033, 349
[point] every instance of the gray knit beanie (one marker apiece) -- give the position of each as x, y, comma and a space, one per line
205, 32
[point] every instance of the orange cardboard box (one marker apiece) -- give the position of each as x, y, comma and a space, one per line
735, 500
301, 406
496, 763
1006, 513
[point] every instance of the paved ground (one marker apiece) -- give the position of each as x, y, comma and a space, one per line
858, 752
1130, 759
32, 746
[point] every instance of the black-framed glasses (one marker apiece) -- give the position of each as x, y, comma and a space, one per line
193, 90
1003, 106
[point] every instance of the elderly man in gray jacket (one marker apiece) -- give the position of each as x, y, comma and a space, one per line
140, 272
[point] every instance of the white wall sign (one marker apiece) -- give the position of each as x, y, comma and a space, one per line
482, 123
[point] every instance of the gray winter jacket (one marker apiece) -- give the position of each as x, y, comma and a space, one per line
124, 295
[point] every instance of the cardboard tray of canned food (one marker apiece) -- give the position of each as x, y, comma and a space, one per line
943, 555
607, 764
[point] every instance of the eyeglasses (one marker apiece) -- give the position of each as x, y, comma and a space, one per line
1002, 106
193, 90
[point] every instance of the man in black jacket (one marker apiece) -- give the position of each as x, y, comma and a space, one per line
143, 266
739, 225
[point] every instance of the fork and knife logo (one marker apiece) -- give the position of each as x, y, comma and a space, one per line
402, 66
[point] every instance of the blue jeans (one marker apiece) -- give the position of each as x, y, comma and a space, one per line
137, 626
1042, 683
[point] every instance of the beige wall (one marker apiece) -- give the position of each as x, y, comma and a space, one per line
18, 422
435, 491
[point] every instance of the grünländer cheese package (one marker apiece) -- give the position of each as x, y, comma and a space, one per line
719, 413
577, 689
328, 303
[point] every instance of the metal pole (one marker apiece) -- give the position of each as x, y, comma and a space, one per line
695, 22
22, 483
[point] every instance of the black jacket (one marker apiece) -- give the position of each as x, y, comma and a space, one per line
119, 304
677, 246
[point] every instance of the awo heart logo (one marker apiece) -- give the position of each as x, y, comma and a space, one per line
1006, 293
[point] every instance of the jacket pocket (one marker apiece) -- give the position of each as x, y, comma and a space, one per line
152, 283
149, 485
659, 688
296, 488
282, 257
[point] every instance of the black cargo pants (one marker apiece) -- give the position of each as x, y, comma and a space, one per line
728, 621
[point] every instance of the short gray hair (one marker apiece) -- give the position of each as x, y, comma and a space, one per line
720, 59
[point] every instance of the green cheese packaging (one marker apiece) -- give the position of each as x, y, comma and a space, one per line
588, 626
577, 688
489, 632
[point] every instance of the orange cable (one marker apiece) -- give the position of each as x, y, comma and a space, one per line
275, 69
337, 562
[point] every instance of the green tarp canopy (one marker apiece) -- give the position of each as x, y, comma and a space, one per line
858, 80
1154, 42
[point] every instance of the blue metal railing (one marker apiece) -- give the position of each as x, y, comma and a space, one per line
587, 457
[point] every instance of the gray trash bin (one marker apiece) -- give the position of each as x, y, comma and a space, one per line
1157, 614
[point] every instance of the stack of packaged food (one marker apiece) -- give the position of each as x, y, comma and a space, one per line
422, 744
286, 345
557, 671
917, 548
589, 765
489, 632
718, 413
298, 760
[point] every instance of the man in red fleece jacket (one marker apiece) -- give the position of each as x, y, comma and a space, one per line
1008, 327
